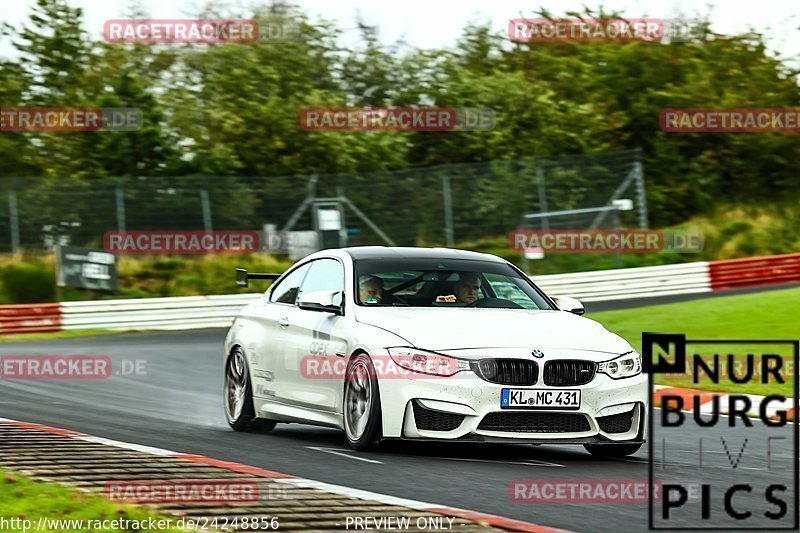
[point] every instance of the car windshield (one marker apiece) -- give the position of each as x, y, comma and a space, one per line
444, 283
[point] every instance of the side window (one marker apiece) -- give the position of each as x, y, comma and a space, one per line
505, 287
325, 275
286, 291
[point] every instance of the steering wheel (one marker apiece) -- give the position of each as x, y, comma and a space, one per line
499, 303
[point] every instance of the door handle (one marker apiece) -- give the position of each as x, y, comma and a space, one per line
283, 322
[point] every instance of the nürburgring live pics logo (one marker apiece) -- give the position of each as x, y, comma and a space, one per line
748, 461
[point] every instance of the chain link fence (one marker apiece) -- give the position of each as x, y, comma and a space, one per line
441, 205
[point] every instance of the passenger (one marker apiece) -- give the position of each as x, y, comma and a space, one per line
370, 290
467, 288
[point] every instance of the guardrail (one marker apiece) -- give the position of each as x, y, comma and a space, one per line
30, 318
754, 271
626, 283
218, 311
185, 312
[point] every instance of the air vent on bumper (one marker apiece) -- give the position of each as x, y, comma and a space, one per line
619, 423
431, 420
535, 422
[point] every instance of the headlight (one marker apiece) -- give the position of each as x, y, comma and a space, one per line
427, 362
625, 366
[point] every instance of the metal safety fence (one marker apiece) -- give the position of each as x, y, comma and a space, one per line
438, 205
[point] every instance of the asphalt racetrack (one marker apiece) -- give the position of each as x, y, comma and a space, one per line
176, 404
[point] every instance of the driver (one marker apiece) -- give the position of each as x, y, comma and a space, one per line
370, 290
467, 287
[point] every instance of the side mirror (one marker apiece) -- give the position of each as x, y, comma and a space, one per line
569, 304
325, 301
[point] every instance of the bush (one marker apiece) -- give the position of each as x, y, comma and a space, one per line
28, 283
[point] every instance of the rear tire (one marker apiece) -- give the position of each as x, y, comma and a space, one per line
238, 396
362, 404
612, 451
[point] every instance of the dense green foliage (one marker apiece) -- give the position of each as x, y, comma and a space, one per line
233, 110
32, 281
225, 118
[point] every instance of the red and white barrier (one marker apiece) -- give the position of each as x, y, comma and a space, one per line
30, 318
754, 271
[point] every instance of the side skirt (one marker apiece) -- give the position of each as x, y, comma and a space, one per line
302, 415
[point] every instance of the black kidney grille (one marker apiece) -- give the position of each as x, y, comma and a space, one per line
620, 423
507, 371
561, 373
430, 420
535, 422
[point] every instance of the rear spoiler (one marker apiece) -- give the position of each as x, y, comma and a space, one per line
242, 276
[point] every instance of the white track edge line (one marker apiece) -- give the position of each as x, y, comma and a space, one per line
358, 493
127, 445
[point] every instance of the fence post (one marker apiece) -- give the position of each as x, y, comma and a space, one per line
542, 195
206, 203
13, 216
641, 196
120, 200
618, 255
343, 236
307, 201
447, 195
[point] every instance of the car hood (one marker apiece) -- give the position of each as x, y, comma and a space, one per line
460, 328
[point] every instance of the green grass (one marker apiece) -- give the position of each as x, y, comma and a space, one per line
766, 315
29, 500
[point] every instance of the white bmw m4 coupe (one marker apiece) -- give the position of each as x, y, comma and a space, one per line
436, 344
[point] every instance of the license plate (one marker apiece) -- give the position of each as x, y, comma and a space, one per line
541, 398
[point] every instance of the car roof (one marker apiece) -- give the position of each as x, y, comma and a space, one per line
408, 252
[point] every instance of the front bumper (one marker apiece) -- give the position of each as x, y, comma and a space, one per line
456, 408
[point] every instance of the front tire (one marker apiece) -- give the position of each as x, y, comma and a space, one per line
238, 395
362, 404
612, 451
